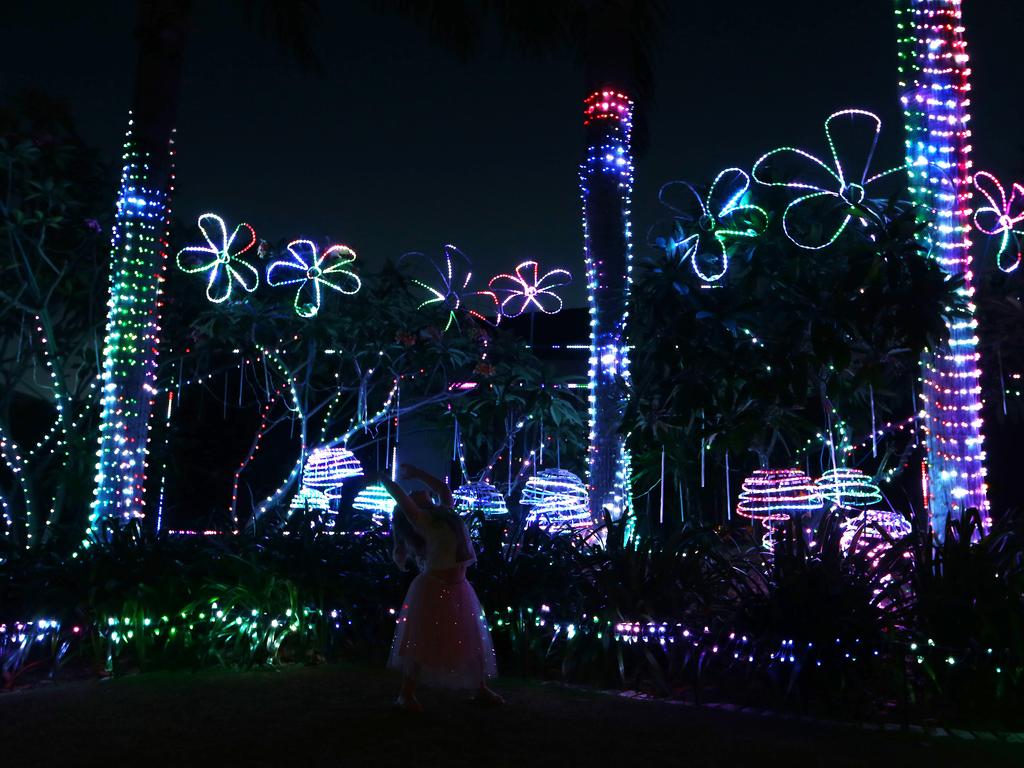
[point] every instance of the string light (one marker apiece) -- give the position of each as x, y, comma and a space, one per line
847, 487
935, 94
221, 257
606, 188
557, 500
1000, 217
128, 382
527, 287
264, 423
848, 192
714, 221
311, 269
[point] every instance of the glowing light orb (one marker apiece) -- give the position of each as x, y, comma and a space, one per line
828, 191
312, 269
376, 500
221, 258
557, 500
845, 487
528, 288
863, 534
328, 468
479, 498
776, 495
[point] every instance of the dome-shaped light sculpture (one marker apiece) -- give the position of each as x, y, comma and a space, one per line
315, 505
327, 468
848, 488
310, 500
773, 496
376, 500
479, 498
557, 500
871, 533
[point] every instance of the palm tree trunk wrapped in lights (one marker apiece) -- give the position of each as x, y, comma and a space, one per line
935, 93
606, 182
138, 261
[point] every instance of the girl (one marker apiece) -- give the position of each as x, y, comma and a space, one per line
441, 638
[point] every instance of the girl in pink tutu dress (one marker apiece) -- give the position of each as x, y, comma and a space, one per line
442, 637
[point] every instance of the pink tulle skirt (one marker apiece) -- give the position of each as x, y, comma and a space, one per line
442, 637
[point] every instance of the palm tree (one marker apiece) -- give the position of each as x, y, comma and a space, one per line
139, 247
139, 250
138, 261
934, 89
613, 41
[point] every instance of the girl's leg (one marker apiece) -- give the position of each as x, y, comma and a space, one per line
407, 695
487, 696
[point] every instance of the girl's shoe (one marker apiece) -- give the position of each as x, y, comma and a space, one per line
488, 697
409, 703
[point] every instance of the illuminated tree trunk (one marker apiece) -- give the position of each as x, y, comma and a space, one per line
137, 264
606, 182
935, 93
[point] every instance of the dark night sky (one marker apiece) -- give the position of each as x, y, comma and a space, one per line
399, 146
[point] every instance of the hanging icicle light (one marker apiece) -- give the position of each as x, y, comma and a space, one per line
328, 468
557, 499
479, 498
846, 487
376, 500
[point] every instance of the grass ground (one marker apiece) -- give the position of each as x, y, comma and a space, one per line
344, 715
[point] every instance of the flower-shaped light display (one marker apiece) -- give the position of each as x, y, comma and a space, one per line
312, 269
528, 288
445, 285
829, 192
707, 227
557, 500
845, 487
1001, 217
220, 257
328, 468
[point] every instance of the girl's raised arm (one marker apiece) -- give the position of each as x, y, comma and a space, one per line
444, 493
409, 508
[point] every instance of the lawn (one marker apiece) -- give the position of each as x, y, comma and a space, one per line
344, 715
